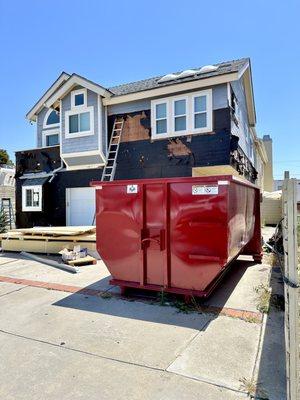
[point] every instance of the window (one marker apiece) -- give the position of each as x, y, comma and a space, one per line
51, 119
52, 140
78, 98
79, 123
32, 198
189, 114
200, 112
161, 118
51, 137
179, 115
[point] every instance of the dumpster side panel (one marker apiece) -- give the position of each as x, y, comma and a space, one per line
241, 216
198, 234
119, 225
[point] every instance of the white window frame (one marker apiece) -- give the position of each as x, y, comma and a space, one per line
209, 111
45, 125
154, 103
190, 111
37, 188
50, 132
79, 110
76, 92
186, 115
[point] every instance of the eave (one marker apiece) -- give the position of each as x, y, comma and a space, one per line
32, 114
170, 89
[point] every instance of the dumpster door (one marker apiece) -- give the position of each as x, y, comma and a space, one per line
153, 235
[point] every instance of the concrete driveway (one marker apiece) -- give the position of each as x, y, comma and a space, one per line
66, 336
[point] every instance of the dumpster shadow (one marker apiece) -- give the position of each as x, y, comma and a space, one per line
160, 311
271, 371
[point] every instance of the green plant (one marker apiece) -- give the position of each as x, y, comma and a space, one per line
264, 297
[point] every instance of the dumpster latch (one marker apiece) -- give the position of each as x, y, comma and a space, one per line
154, 236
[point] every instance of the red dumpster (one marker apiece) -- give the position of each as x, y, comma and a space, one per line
176, 234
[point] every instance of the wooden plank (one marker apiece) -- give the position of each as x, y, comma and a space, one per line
83, 261
57, 230
45, 246
215, 170
19, 236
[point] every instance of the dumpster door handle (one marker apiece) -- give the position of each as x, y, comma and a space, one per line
160, 242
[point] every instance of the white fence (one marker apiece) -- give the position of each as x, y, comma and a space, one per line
291, 287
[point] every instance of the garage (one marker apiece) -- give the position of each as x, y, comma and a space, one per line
80, 206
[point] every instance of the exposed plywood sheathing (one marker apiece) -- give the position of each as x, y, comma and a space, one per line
214, 170
133, 129
177, 148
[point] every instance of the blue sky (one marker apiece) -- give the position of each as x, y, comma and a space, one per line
114, 42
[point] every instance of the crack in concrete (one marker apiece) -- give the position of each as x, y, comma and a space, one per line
123, 361
13, 291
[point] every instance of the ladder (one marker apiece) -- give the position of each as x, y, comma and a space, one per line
7, 209
113, 148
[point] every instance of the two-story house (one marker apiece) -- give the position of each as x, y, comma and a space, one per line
167, 126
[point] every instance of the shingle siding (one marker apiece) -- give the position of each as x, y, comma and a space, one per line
85, 143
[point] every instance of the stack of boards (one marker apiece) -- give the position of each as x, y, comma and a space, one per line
49, 240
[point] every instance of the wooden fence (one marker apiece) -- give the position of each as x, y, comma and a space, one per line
291, 230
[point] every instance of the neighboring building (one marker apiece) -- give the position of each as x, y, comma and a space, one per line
7, 193
278, 184
172, 125
268, 173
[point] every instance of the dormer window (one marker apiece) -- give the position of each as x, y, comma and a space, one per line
78, 98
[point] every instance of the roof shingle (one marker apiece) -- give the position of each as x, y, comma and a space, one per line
152, 83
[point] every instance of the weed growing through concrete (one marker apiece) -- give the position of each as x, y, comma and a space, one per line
251, 387
264, 297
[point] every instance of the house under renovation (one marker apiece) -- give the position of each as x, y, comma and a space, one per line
7, 194
181, 124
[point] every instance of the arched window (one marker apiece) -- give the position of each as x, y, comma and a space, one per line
51, 118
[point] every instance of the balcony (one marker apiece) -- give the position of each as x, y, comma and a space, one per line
45, 159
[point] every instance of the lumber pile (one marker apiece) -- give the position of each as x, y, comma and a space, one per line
49, 240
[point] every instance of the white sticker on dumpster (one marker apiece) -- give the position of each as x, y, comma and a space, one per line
204, 190
132, 188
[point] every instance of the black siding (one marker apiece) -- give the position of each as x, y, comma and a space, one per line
54, 198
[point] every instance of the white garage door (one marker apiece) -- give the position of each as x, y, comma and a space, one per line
80, 206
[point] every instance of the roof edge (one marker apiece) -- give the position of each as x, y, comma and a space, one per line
31, 115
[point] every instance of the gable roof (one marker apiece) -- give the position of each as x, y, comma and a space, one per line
31, 115
153, 83
73, 81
